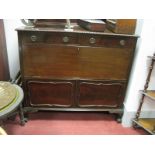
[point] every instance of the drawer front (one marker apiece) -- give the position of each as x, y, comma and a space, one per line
68, 38
106, 41
51, 93
100, 94
50, 38
62, 38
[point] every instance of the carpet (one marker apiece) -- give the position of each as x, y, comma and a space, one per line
70, 123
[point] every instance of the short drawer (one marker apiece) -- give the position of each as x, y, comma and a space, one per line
106, 41
33, 37
90, 40
50, 38
62, 38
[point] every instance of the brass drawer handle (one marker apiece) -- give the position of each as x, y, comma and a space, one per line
33, 38
122, 42
92, 40
65, 39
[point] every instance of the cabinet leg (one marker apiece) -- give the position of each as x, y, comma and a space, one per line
137, 115
153, 130
135, 125
119, 118
1, 122
12, 118
23, 120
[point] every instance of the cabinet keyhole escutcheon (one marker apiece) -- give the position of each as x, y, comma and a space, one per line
78, 50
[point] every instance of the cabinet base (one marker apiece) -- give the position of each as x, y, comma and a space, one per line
118, 112
110, 110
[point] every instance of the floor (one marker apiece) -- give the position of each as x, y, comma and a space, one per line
70, 123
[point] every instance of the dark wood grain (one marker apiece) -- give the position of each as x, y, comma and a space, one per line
77, 30
4, 69
76, 62
51, 93
124, 26
102, 94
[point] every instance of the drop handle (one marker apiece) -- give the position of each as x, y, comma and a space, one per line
92, 40
65, 39
122, 42
33, 38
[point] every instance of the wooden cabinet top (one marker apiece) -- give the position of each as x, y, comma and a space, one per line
77, 29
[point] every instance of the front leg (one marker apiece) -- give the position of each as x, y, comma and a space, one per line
119, 117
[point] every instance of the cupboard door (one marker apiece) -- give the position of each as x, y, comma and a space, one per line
98, 94
54, 93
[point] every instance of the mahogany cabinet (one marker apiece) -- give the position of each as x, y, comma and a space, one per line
75, 70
